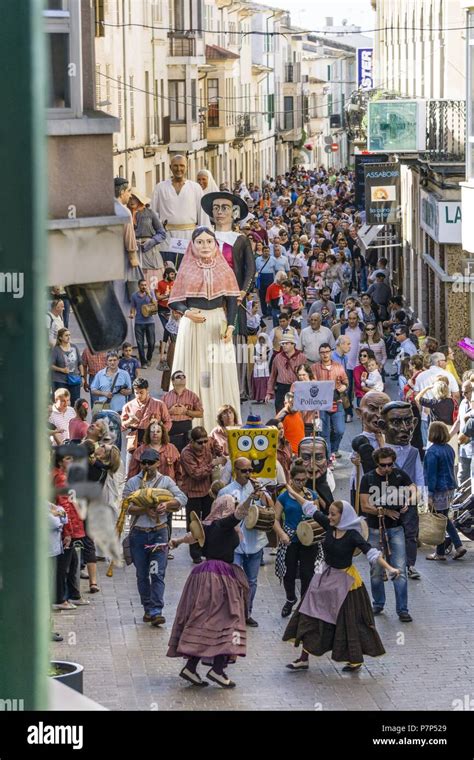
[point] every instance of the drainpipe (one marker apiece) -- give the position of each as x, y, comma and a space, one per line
24, 487
125, 85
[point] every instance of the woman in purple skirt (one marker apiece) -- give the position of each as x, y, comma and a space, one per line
211, 614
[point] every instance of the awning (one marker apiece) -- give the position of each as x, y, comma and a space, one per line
368, 233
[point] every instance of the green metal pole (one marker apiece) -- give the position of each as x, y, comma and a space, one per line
24, 596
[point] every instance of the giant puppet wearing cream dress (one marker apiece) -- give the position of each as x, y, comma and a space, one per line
224, 209
206, 292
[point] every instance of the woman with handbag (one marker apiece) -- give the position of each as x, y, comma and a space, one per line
111, 386
440, 480
66, 365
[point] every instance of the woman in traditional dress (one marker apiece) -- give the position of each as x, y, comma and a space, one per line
149, 233
261, 369
207, 181
211, 614
206, 293
224, 209
336, 614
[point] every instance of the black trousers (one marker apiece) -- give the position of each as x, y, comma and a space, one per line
202, 506
303, 557
281, 389
67, 571
179, 433
142, 332
410, 522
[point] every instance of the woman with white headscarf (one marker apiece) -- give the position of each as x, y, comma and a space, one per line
336, 615
207, 181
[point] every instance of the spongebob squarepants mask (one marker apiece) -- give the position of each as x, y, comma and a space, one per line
258, 445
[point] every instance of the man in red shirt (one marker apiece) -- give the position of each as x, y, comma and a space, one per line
333, 421
162, 294
283, 373
198, 459
183, 406
272, 296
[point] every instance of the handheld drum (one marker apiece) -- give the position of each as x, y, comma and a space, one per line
260, 518
309, 532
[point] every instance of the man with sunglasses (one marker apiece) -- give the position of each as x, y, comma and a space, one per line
183, 406
198, 460
150, 527
387, 493
249, 552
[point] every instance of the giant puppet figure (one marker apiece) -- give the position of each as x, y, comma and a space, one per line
206, 293
224, 209
315, 456
177, 201
393, 425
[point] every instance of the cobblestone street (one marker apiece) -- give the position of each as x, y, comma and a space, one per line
427, 664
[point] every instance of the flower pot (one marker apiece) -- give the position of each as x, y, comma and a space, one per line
70, 673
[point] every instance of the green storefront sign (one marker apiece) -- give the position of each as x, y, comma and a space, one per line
396, 126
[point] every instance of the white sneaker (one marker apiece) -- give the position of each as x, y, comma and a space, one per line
64, 606
78, 602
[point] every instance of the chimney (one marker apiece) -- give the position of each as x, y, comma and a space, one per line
329, 21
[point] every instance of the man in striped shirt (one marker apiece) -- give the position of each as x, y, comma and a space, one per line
283, 373
183, 406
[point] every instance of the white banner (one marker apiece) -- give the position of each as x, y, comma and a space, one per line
177, 245
314, 396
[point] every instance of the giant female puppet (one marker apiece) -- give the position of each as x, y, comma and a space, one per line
206, 293
224, 209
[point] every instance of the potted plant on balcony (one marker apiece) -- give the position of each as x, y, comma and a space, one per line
69, 673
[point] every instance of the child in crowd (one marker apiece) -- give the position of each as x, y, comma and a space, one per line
128, 362
296, 304
372, 379
261, 369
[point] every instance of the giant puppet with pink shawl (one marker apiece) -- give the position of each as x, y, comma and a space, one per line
206, 292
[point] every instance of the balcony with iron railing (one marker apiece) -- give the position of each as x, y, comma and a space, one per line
292, 73
182, 45
445, 127
157, 130
246, 124
446, 130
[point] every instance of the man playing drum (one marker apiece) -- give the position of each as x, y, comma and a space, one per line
249, 552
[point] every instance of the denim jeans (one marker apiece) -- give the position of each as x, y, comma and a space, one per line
150, 568
397, 558
250, 564
350, 390
452, 533
464, 469
424, 425
333, 428
142, 332
275, 314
